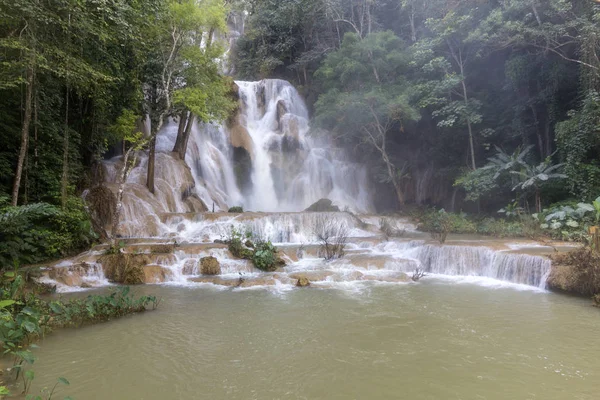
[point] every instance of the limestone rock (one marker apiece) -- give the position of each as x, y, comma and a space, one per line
323, 205
210, 266
101, 203
563, 278
239, 137
217, 281
71, 275
155, 274
162, 248
303, 282
125, 268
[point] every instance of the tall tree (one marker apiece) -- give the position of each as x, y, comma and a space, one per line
177, 37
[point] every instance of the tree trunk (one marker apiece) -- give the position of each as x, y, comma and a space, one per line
413, 31
64, 180
469, 127
537, 132
24, 134
183, 135
119, 206
180, 132
186, 136
151, 161
538, 201
547, 128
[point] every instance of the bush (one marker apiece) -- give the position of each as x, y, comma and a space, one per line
38, 232
236, 244
390, 228
439, 224
236, 209
25, 317
332, 235
264, 256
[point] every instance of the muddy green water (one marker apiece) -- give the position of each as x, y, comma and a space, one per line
432, 340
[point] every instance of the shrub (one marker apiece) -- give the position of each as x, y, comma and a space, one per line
264, 256
439, 224
236, 245
236, 209
390, 228
332, 235
38, 232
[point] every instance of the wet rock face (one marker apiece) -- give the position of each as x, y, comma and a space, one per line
210, 266
125, 268
190, 267
156, 274
102, 204
323, 205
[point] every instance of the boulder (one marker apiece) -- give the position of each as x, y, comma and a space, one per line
239, 137
190, 267
210, 266
303, 282
125, 268
323, 205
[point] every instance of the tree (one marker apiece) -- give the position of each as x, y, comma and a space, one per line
365, 101
536, 176
177, 37
125, 129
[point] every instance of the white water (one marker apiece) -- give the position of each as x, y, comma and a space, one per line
368, 258
288, 171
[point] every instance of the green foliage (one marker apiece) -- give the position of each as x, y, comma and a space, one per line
578, 141
262, 253
236, 244
40, 231
24, 316
236, 210
439, 224
96, 308
264, 257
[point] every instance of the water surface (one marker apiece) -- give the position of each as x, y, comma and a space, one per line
431, 340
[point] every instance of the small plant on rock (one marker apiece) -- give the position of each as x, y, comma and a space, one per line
236, 209
264, 257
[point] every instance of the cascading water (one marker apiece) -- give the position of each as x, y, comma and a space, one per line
286, 169
264, 159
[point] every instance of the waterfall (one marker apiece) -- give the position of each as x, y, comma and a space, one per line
265, 159
279, 166
484, 262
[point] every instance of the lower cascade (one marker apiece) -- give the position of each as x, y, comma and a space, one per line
190, 238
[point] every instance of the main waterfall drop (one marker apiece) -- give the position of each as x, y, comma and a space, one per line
263, 158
